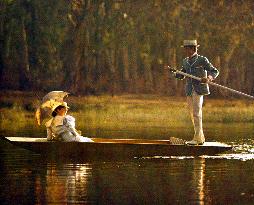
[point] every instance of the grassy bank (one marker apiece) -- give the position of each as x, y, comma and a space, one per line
124, 112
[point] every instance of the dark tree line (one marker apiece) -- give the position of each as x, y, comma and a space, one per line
92, 47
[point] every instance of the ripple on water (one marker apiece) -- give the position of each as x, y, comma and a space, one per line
242, 150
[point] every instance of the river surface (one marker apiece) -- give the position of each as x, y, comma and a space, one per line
27, 178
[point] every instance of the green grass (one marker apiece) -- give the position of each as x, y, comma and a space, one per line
122, 112
224, 111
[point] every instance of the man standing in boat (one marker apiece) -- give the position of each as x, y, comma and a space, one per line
199, 66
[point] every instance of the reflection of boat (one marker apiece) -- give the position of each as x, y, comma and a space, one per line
115, 148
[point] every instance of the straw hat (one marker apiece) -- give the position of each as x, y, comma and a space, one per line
56, 104
190, 43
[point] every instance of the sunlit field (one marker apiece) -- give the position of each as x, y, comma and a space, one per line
131, 112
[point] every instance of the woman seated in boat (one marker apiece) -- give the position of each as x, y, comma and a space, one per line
62, 127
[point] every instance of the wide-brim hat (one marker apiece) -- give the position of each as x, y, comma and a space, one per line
57, 104
189, 43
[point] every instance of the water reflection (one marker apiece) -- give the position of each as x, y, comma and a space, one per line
147, 181
198, 180
225, 179
124, 183
63, 184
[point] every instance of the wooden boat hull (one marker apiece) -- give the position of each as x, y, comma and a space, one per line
115, 148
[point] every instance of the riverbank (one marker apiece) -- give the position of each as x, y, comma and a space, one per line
125, 112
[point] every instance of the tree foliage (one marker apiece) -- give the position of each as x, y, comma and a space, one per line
92, 47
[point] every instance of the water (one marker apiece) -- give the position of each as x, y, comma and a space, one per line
27, 178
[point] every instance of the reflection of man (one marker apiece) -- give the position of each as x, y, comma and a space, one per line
198, 181
199, 66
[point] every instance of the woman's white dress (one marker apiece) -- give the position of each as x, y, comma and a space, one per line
62, 128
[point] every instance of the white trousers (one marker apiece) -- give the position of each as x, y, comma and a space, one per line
195, 103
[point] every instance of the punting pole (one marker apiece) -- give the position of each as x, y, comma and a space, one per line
214, 84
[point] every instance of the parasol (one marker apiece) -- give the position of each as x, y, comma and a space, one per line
48, 104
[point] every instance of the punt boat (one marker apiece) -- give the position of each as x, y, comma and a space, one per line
103, 148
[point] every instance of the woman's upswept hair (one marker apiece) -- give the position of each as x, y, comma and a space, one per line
54, 113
